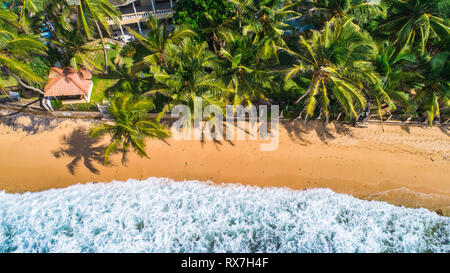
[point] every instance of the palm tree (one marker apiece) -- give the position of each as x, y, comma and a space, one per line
129, 79
337, 62
396, 72
96, 12
266, 17
60, 13
8, 19
435, 91
214, 30
159, 37
245, 68
413, 22
187, 74
77, 51
131, 125
16, 48
342, 10
28, 7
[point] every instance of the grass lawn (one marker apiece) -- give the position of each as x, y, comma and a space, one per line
112, 55
100, 84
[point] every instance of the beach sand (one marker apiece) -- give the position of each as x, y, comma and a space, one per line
403, 165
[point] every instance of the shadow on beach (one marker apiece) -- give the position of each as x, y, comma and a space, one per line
80, 146
29, 123
298, 131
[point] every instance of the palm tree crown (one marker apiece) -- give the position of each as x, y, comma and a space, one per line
96, 13
337, 61
159, 38
187, 74
16, 48
414, 22
131, 125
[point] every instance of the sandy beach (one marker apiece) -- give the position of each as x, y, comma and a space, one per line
403, 165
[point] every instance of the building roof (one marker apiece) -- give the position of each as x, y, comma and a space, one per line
67, 82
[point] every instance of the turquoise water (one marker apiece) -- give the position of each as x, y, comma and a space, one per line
159, 215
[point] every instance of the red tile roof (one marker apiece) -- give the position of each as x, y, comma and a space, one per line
67, 82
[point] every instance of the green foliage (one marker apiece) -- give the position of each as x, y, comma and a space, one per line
197, 13
392, 53
159, 38
186, 74
245, 68
413, 22
435, 91
337, 61
131, 125
128, 50
127, 79
76, 51
57, 104
17, 48
40, 65
393, 68
319, 12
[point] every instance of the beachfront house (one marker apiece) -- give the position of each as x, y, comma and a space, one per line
135, 12
68, 85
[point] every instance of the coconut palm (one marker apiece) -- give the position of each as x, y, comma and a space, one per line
435, 92
397, 75
187, 74
78, 52
338, 10
60, 13
15, 49
337, 62
413, 22
245, 68
129, 79
8, 19
266, 17
214, 30
159, 37
97, 13
27, 8
131, 126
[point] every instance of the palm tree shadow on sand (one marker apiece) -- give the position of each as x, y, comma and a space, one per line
80, 146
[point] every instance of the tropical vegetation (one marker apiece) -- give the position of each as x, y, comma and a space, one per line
327, 59
131, 125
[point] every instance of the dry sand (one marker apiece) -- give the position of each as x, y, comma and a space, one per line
406, 165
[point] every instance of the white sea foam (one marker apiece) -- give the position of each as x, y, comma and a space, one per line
159, 215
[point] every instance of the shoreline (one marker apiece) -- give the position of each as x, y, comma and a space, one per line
402, 166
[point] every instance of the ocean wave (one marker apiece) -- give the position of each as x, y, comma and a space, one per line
160, 215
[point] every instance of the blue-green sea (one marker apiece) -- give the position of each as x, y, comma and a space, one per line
160, 215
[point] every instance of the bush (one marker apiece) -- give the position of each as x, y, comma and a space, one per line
193, 12
128, 50
57, 104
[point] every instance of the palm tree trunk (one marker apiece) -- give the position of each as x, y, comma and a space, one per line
240, 19
304, 95
216, 44
24, 84
103, 45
